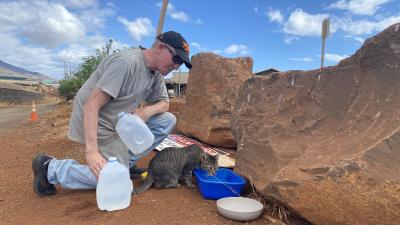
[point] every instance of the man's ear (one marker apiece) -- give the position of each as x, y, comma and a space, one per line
161, 46
157, 49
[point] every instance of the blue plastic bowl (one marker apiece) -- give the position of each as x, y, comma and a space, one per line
225, 183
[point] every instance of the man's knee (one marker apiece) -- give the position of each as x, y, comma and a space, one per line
170, 118
168, 122
162, 123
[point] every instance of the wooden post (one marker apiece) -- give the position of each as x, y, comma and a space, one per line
162, 17
324, 34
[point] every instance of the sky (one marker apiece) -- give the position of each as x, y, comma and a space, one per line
44, 36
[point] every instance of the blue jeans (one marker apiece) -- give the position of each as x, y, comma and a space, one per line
71, 175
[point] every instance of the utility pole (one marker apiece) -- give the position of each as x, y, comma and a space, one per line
179, 83
65, 70
162, 17
324, 34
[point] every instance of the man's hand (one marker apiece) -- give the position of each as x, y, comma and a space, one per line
95, 161
143, 112
146, 111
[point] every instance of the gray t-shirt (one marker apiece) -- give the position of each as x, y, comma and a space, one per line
126, 78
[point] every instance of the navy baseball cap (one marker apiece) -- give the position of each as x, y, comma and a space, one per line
180, 45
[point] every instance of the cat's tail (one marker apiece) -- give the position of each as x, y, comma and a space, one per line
144, 186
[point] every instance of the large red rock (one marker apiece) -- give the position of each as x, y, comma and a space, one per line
327, 148
210, 95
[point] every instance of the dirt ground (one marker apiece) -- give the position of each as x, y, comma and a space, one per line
21, 140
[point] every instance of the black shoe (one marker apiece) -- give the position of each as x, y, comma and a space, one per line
41, 185
135, 172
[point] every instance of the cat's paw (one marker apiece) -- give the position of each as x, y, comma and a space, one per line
192, 186
189, 184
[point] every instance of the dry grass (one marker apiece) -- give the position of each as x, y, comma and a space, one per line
274, 208
4, 104
45, 99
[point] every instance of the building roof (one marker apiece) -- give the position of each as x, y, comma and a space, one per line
178, 78
266, 72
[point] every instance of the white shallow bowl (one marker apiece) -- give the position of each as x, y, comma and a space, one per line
239, 208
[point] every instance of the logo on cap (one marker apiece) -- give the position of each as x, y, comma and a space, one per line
186, 47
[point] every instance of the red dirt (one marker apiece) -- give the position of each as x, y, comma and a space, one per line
20, 205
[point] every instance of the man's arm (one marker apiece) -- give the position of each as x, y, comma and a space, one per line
146, 112
95, 101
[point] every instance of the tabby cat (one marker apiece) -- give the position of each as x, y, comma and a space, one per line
172, 165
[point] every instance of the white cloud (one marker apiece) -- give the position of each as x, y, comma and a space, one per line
179, 15
234, 48
111, 5
79, 4
359, 7
42, 23
359, 39
305, 59
50, 61
275, 16
41, 35
303, 24
199, 21
256, 9
290, 39
198, 46
139, 28
334, 57
195, 44
38, 59
365, 27
95, 18
204, 49
89, 12
231, 49
18, 16
74, 53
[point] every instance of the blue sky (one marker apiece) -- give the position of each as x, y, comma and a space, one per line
41, 35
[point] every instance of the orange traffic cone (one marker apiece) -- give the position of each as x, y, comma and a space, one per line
34, 116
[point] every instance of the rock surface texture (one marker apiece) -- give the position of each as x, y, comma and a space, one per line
327, 147
212, 88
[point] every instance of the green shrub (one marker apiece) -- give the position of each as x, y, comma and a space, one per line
71, 83
68, 88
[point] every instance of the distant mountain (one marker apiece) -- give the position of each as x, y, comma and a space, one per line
7, 70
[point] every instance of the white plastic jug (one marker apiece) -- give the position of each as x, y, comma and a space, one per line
114, 187
134, 132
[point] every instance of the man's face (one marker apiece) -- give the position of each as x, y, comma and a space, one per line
170, 60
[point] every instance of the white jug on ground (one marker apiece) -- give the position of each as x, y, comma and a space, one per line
114, 187
134, 132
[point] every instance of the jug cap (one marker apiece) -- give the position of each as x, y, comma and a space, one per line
112, 159
120, 114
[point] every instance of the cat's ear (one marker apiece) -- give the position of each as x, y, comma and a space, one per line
205, 157
194, 146
212, 158
216, 158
